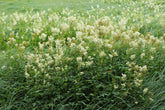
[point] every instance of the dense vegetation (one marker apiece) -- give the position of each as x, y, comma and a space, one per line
109, 56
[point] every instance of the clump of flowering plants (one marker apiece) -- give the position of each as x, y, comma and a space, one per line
82, 62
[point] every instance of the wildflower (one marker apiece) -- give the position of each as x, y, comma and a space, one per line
80, 26
50, 38
102, 54
10, 68
90, 58
143, 69
151, 99
71, 20
136, 68
40, 65
110, 56
133, 44
57, 68
142, 55
78, 34
37, 31
11, 57
124, 76
123, 84
21, 48
145, 90
152, 50
3, 52
55, 31
128, 63
49, 9
50, 50
138, 82
72, 45
103, 29
132, 57
81, 73
41, 46
43, 36
48, 76
88, 63
136, 34
109, 46
163, 47
115, 86
11, 41
114, 53
3, 67
151, 58
12, 34
64, 27
25, 43
79, 59
26, 75
132, 64
136, 102
16, 45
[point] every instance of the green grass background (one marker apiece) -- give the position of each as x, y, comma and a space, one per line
16, 5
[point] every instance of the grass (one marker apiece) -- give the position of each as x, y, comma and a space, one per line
102, 84
16, 5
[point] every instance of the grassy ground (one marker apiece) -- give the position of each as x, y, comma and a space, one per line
16, 5
12, 87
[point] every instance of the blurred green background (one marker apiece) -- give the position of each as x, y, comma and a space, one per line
19, 5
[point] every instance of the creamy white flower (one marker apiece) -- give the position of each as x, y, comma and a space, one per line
132, 57
138, 82
151, 58
78, 34
89, 63
133, 44
3, 67
81, 73
21, 48
11, 57
163, 47
124, 77
152, 49
136, 102
151, 99
79, 59
102, 54
48, 76
3, 52
41, 46
55, 31
64, 27
43, 36
145, 90
27, 74
115, 86
114, 53
123, 84
36, 31
71, 20
142, 55
144, 68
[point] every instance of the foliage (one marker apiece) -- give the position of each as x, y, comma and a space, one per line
90, 59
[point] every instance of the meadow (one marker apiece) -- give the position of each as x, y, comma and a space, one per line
82, 54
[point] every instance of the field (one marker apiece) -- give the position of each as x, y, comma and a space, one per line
82, 54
